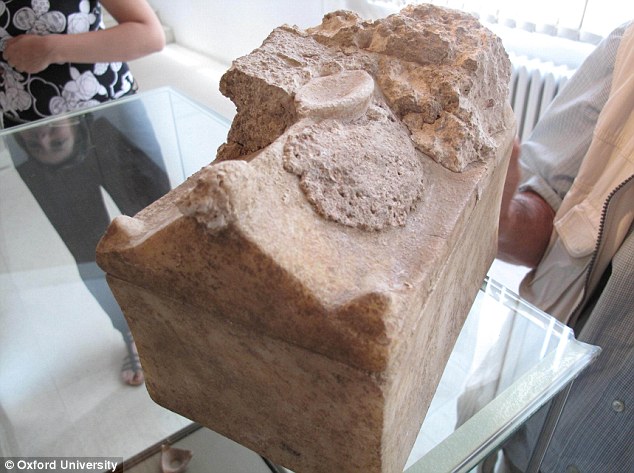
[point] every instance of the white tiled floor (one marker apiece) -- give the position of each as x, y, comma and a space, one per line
60, 393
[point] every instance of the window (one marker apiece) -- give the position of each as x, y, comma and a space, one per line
561, 17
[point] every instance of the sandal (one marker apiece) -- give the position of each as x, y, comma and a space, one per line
132, 371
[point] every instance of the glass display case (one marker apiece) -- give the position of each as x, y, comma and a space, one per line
511, 359
63, 179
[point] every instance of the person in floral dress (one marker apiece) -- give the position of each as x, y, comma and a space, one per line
57, 57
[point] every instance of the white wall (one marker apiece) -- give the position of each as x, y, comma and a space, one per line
227, 29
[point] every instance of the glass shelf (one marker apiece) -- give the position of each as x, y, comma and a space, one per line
60, 355
529, 358
60, 393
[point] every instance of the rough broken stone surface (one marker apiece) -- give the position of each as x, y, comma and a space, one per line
439, 70
301, 295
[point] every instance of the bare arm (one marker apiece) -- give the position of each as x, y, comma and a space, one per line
137, 34
526, 221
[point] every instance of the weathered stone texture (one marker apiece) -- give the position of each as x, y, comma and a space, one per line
302, 294
439, 70
349, 175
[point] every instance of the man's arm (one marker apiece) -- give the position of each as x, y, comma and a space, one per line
526, 220
137, 34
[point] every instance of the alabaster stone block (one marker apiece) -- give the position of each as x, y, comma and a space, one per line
301, 295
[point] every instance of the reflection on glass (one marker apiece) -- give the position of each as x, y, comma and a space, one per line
67, 163
56, 398
60, 357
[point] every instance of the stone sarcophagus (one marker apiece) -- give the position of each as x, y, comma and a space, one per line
301, 294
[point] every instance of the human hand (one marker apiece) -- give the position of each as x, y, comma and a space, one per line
526, 220
28, 53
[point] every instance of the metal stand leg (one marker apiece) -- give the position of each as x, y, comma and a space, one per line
546, 434
274, 468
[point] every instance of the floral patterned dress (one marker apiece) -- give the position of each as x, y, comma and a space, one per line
61, 87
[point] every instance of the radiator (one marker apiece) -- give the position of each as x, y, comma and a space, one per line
534, 83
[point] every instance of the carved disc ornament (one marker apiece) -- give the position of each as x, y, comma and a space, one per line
365, 173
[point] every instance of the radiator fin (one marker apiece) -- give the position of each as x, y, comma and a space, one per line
534, 84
